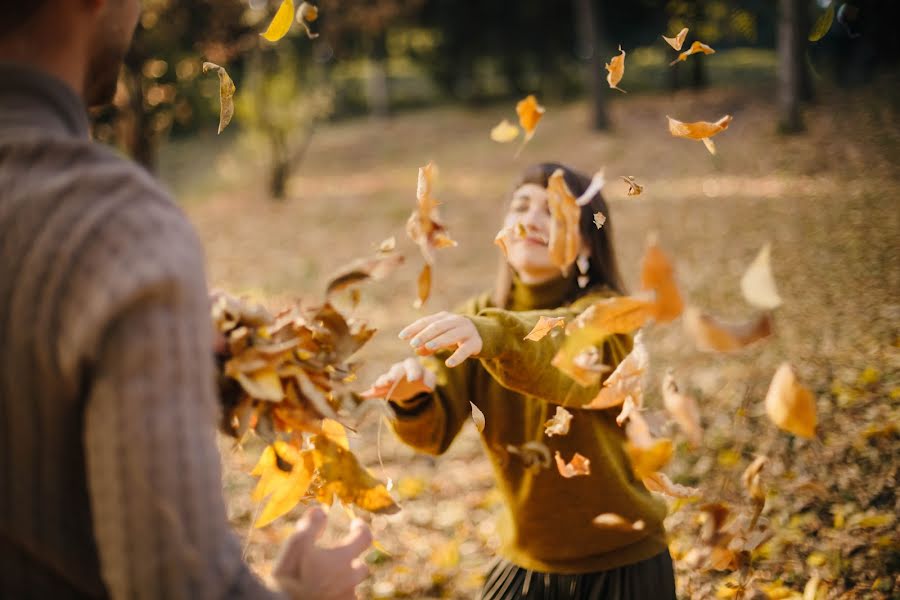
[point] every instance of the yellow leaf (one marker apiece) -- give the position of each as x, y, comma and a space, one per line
816, 559
504, 132
565, 216
758, 284
288, 492
789, 405
446, 556
263, 384
559, 424
634, 189
342, 475
543, 327
822, 24
678, 41
617, 522
423, 286
281, 24
530, 113
578, 466
647, 460
336, 433
683, 409
660, 483
711, 334
701, 130
226, 94
658, 275
694, 49
477, 417
616, 70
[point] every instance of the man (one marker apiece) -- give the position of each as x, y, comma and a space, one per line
109, 473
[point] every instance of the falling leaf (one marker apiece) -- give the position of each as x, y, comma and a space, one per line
701, 130
616, 70
543, 327
593, 188
683, 409
501, 241
423, 286
424, 226
789, 405
388, 245
599, 219
559, 424
647, 460
336, 432
579, 465
625, 380
535, 455
342, 475
822, 24
634, 189
307, 13
694, 49
617, 522
751, 481
285, 474
477, 417
711, 334
504, 132
226, 94
678, 41
530, 113
359, 271
565, 216
658, 275
758, 284
619, 314
281, 24
660, 483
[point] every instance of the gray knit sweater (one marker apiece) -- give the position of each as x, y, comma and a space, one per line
109, 473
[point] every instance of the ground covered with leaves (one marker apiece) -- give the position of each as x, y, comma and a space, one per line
827, 203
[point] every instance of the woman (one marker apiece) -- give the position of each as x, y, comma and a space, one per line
550, 547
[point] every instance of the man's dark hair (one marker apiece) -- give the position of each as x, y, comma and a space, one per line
15, 13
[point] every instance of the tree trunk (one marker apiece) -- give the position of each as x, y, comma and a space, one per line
589, 48
804, 24
789, 79
378, 93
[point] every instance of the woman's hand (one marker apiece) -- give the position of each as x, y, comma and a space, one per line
305, 571
444, 330
403, 381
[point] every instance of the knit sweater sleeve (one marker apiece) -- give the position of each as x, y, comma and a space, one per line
149, 423
524, 366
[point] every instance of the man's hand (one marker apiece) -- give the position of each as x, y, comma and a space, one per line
305, 571
444, 330
403, 381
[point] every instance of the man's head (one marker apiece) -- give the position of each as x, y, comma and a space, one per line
82, 42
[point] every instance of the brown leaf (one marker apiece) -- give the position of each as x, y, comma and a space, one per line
678, 41
530, 113
535, 455
660, 483
658, 275
790, 405
543, 327
711, 334
758, 284
559, 424
634, 189
616, 70
423, 286
694, 49
578, 466
362, 270
226, 94
617, 522
424, 226
683, 409
565, 236
477, 417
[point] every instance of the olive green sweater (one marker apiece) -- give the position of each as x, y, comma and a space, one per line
547, 522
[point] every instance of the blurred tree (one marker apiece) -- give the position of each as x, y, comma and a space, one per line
589, 51
790, 60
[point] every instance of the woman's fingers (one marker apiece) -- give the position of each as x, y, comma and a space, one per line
470, 347
413, 370
457, 335
424, 337
417, 326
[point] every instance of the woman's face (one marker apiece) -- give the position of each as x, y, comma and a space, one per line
529, 256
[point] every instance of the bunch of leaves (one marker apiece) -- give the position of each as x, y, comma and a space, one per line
529, 113
425, 228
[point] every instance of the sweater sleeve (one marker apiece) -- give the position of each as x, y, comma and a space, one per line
523, 366
152, 463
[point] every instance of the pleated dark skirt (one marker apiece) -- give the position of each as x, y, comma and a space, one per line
651, 579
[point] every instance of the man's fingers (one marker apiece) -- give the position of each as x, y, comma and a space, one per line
418, 325
471, 347
308, 529
359, 538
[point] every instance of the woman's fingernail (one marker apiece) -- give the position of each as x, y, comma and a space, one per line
403, 335
451, 362
430, 345
415, 342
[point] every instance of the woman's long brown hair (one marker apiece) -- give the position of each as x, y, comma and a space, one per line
603, 270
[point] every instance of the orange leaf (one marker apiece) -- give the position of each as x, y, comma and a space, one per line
711, 334
659, 482
543, 327
423, 286
624, 381
657, 274
617, 522
616, 70
559, 424
336, 433
678, 41
565, 236
530, 113
424, 226
646, 460
789, 405
579, 465
620, 314
694, 49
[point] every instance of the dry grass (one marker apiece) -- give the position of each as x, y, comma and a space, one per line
826, 200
